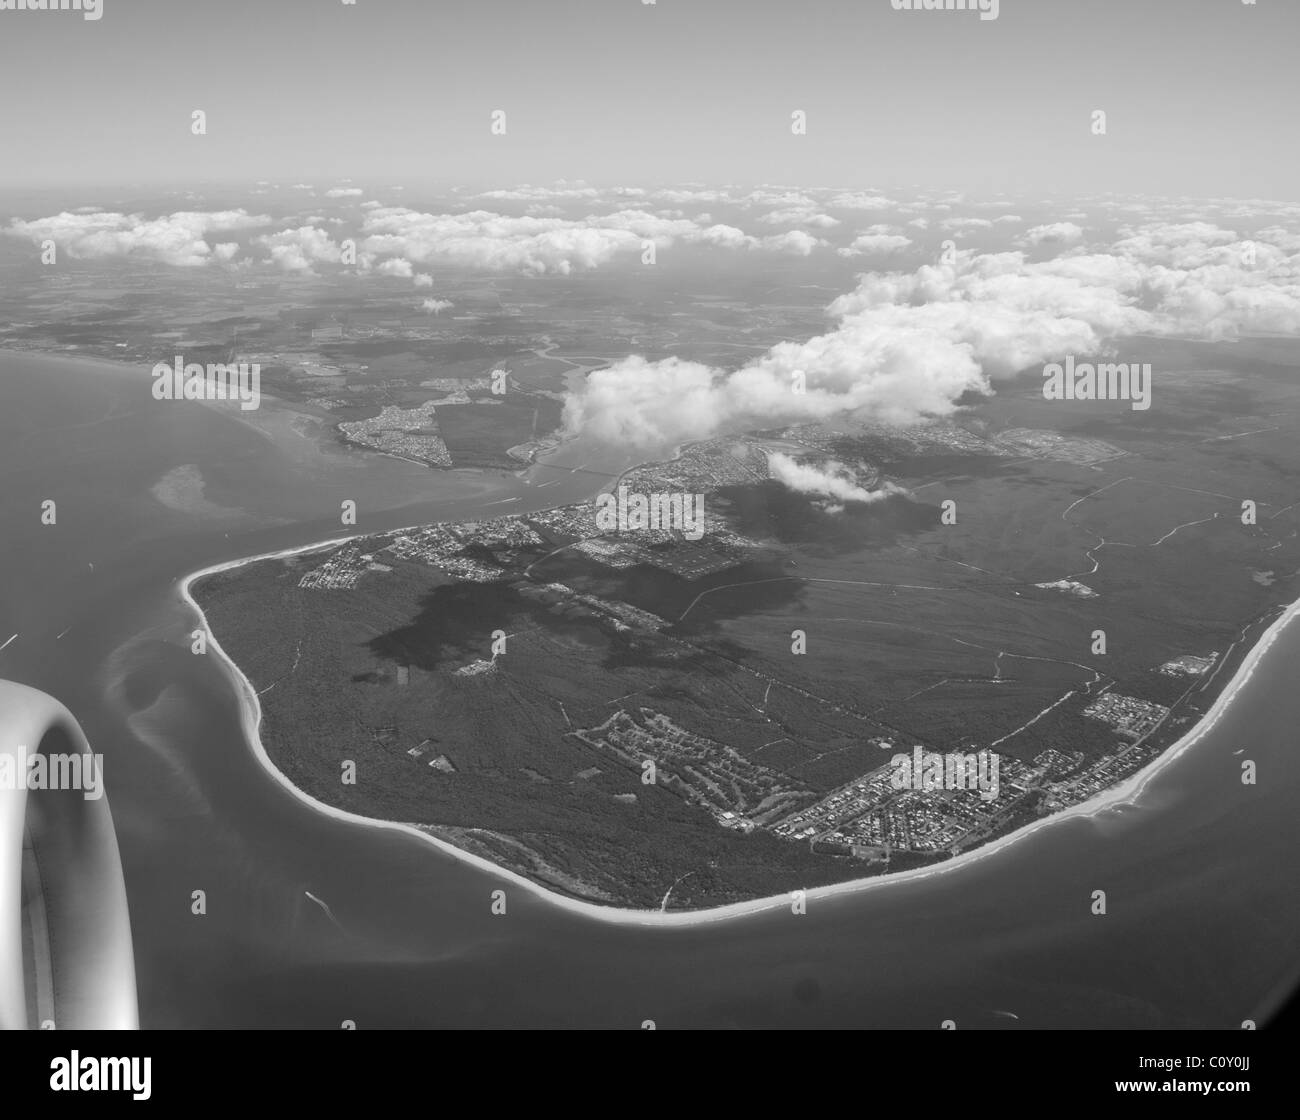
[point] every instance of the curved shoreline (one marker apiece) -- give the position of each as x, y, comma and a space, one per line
1124, 795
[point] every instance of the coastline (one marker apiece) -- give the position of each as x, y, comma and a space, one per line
75, 356
516, 469
1126, 794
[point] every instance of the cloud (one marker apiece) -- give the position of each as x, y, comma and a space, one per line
537, 245
528, 193
433, 306
481, 239
795, 242
828, 480
175, 239
910, 345
875, 243
531, 244
423, 280
1178, 244
1057, 233
958, 225
799, 216
296, 250
396, 267
778, 197
344, 192
859, 201
679, 196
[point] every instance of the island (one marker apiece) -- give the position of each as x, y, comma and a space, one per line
645, 720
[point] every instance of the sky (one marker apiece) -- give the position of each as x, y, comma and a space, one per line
1200, 95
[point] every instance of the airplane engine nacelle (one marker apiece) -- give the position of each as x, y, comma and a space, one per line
65, 934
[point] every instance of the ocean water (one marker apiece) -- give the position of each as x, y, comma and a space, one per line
312, 920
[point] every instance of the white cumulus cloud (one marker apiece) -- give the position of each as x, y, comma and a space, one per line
876, 243
1055, 233
910, 345
825, 480
175, 239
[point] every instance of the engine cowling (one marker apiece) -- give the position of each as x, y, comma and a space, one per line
66, 958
